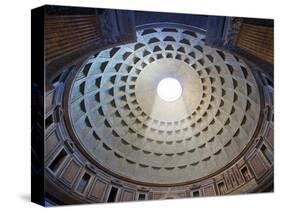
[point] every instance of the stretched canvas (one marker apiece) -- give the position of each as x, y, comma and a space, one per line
137, 105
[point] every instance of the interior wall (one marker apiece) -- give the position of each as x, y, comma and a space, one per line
257, 39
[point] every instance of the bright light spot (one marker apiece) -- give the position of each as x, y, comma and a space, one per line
169, 89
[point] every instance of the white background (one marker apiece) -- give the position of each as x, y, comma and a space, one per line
15, 103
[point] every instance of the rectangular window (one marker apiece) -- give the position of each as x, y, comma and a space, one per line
268, 113
55, 81
246, 174
48, 121
141, 197
83, 183
267, 154
269, 82
195, 193
221, 187
58, 161
112, 194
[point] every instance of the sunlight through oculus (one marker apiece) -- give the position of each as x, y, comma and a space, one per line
169, 89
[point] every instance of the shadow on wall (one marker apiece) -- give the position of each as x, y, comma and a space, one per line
142, 17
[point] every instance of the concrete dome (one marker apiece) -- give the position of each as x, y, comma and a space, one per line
124, 126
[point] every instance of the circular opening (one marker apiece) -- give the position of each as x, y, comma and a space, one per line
169, 89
